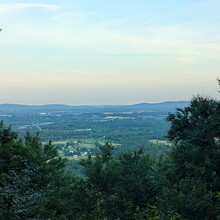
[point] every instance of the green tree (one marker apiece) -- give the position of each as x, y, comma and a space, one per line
29, 177
101, 175
195, 174
124, 186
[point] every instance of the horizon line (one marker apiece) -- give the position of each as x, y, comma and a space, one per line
75, 105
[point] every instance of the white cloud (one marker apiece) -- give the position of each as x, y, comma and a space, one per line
23, 6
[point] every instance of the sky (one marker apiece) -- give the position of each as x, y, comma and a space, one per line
95, 52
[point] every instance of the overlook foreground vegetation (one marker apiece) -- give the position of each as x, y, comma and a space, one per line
183, 183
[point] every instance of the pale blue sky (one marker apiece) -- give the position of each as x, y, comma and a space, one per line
108, 52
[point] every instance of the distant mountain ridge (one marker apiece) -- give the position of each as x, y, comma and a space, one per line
96, 106
162, 103
164, 106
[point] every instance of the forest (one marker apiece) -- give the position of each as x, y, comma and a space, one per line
182, 182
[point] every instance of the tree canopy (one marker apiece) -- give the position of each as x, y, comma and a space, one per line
195, 173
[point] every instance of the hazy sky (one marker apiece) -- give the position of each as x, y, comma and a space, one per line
108, 51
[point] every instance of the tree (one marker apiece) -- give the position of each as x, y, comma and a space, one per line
30, 174
124, 186
218, 81
136, 187
195, 174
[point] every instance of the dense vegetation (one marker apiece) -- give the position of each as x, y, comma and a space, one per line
127, 126
183, 183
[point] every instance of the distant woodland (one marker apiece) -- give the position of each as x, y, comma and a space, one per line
179, 180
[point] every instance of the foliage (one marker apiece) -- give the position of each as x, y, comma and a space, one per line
123, 186
29, 173
195, 131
